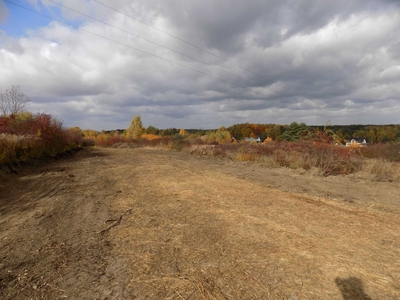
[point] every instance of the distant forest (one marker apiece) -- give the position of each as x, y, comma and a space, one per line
294, 131
372, 133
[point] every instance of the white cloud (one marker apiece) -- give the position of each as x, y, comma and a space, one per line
306, 65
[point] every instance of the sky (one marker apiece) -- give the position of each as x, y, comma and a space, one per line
204, 63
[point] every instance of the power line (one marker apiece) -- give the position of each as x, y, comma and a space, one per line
193, 45
179, 39
155, 43
117, 42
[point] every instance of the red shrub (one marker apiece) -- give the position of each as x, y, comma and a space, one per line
389, 151
26, 136
110, 141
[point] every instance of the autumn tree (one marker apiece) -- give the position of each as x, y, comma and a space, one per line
136, 129
183, 132
90, 133
152, 130
236, 131
23, 116
247, 131
274, 132
13, 101
239, 131
169, 131
222, 135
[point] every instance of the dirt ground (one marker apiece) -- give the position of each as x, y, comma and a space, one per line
157, 224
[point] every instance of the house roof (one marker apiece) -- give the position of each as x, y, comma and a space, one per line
357, 139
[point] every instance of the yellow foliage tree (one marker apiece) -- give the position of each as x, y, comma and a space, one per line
136, 129
183, 132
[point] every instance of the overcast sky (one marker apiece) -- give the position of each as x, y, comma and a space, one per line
269, 61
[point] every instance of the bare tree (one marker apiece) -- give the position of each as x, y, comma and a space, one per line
12, 101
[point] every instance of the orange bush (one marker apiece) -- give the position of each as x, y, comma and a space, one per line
149, 136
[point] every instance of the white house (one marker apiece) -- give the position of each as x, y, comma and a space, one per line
361, 142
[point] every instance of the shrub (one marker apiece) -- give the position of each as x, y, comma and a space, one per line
247, 153
388, 152
88, 142
110, 141
25, 136
149, 136
176, 142
306, 154
382, 170
74, 137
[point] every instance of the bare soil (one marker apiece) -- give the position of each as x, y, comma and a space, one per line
157, 224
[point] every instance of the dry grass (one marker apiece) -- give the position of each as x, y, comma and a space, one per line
204, 228
14, 148
196, 233
329, 159
381, 170
245, 153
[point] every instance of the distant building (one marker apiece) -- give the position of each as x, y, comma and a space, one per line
356, 142
253, 140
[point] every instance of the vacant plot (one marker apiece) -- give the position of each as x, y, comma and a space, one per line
154, 224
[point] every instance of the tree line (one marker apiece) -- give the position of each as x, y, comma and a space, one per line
13, 102
298, 131
274, 132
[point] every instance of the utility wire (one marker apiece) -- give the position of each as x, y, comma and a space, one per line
191, 44
114, 41
179, 39
155, 43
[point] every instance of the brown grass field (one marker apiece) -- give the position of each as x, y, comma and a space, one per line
157, 224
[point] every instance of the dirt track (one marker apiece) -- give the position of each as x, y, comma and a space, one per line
154, 224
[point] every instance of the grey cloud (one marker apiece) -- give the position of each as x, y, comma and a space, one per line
224, 25
10, 44
394, 51
317, 61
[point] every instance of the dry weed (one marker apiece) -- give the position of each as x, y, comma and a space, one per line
381, 170
246, 153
